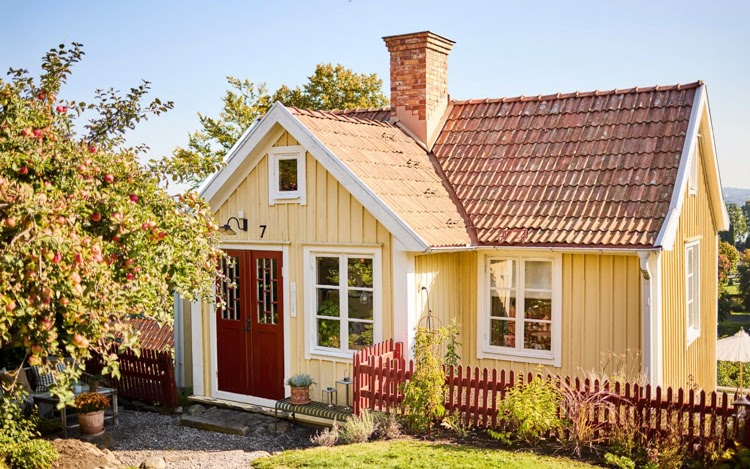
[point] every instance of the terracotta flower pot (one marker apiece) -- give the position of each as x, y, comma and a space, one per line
300, 396
91, 423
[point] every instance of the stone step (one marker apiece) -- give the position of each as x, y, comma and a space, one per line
212, 425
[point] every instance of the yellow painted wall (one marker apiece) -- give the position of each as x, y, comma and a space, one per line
331, 216
600, 312
696, 363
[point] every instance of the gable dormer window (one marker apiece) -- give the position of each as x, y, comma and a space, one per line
286, 175
693, 176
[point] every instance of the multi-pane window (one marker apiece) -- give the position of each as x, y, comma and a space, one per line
520, 306
692, 289
286, 174
344, 301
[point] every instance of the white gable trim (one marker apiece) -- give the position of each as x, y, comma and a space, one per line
220, 187
668, 232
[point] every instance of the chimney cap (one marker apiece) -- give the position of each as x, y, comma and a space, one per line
419, 39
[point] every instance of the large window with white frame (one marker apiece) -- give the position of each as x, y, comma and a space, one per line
343, 300
286, 175
692, 290
522, 309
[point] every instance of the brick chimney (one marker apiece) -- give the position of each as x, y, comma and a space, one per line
419, 81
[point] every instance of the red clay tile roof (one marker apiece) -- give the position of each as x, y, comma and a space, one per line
374, 113
153, 336
578, 169
394, 167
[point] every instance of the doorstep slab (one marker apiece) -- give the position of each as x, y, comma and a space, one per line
214, 425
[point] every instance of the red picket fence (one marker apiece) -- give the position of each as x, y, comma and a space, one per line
473, 393
148, 378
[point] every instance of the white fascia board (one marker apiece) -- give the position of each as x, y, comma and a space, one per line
403, 232
668, 231
723, 215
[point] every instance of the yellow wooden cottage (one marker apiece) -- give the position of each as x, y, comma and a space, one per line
557, 230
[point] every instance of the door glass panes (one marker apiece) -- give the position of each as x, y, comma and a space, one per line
229, 288
267, 291
288, 175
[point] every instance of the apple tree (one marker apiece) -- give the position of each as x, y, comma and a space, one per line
89, 235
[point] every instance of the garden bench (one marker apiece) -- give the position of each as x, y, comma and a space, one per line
313, 409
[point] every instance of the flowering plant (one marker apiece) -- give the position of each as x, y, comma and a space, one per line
91, 402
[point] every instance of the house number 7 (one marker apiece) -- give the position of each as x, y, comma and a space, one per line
262, 231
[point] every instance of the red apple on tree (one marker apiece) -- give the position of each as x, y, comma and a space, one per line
109, 179
96, 216
23, 170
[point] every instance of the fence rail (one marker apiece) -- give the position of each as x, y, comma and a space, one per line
148, 378
472, 393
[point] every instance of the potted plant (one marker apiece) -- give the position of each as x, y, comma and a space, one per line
300, 384
90, 407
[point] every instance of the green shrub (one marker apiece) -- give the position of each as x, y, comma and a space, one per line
357, 428
18, 449
386, 426
529, 411
622, 462
326, 437
424, 393
456, 424
31, 454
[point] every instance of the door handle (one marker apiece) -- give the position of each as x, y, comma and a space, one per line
248, 324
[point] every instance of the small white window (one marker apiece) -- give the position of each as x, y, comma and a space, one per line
694, 164
342, 300
522, 309
286, 175
692, 289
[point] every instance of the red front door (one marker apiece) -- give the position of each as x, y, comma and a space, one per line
249, 329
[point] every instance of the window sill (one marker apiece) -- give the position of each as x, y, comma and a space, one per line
331, 355
692, 335
276, 199
530, 356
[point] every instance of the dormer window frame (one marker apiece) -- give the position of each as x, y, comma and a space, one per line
276, 156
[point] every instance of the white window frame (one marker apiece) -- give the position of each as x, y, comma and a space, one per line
312, 350
693, 280
694, 165
277, 154
552, 357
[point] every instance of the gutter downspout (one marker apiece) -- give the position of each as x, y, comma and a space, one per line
651, 317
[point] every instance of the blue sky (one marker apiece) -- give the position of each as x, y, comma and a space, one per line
187, 48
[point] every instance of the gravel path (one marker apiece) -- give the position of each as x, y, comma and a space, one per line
141, 435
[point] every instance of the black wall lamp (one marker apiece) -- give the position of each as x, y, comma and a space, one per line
241, 224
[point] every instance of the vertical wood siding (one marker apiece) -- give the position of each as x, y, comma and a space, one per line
332, 216
694, 364
600, 312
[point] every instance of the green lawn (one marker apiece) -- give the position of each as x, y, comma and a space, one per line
410, 454
732, 289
